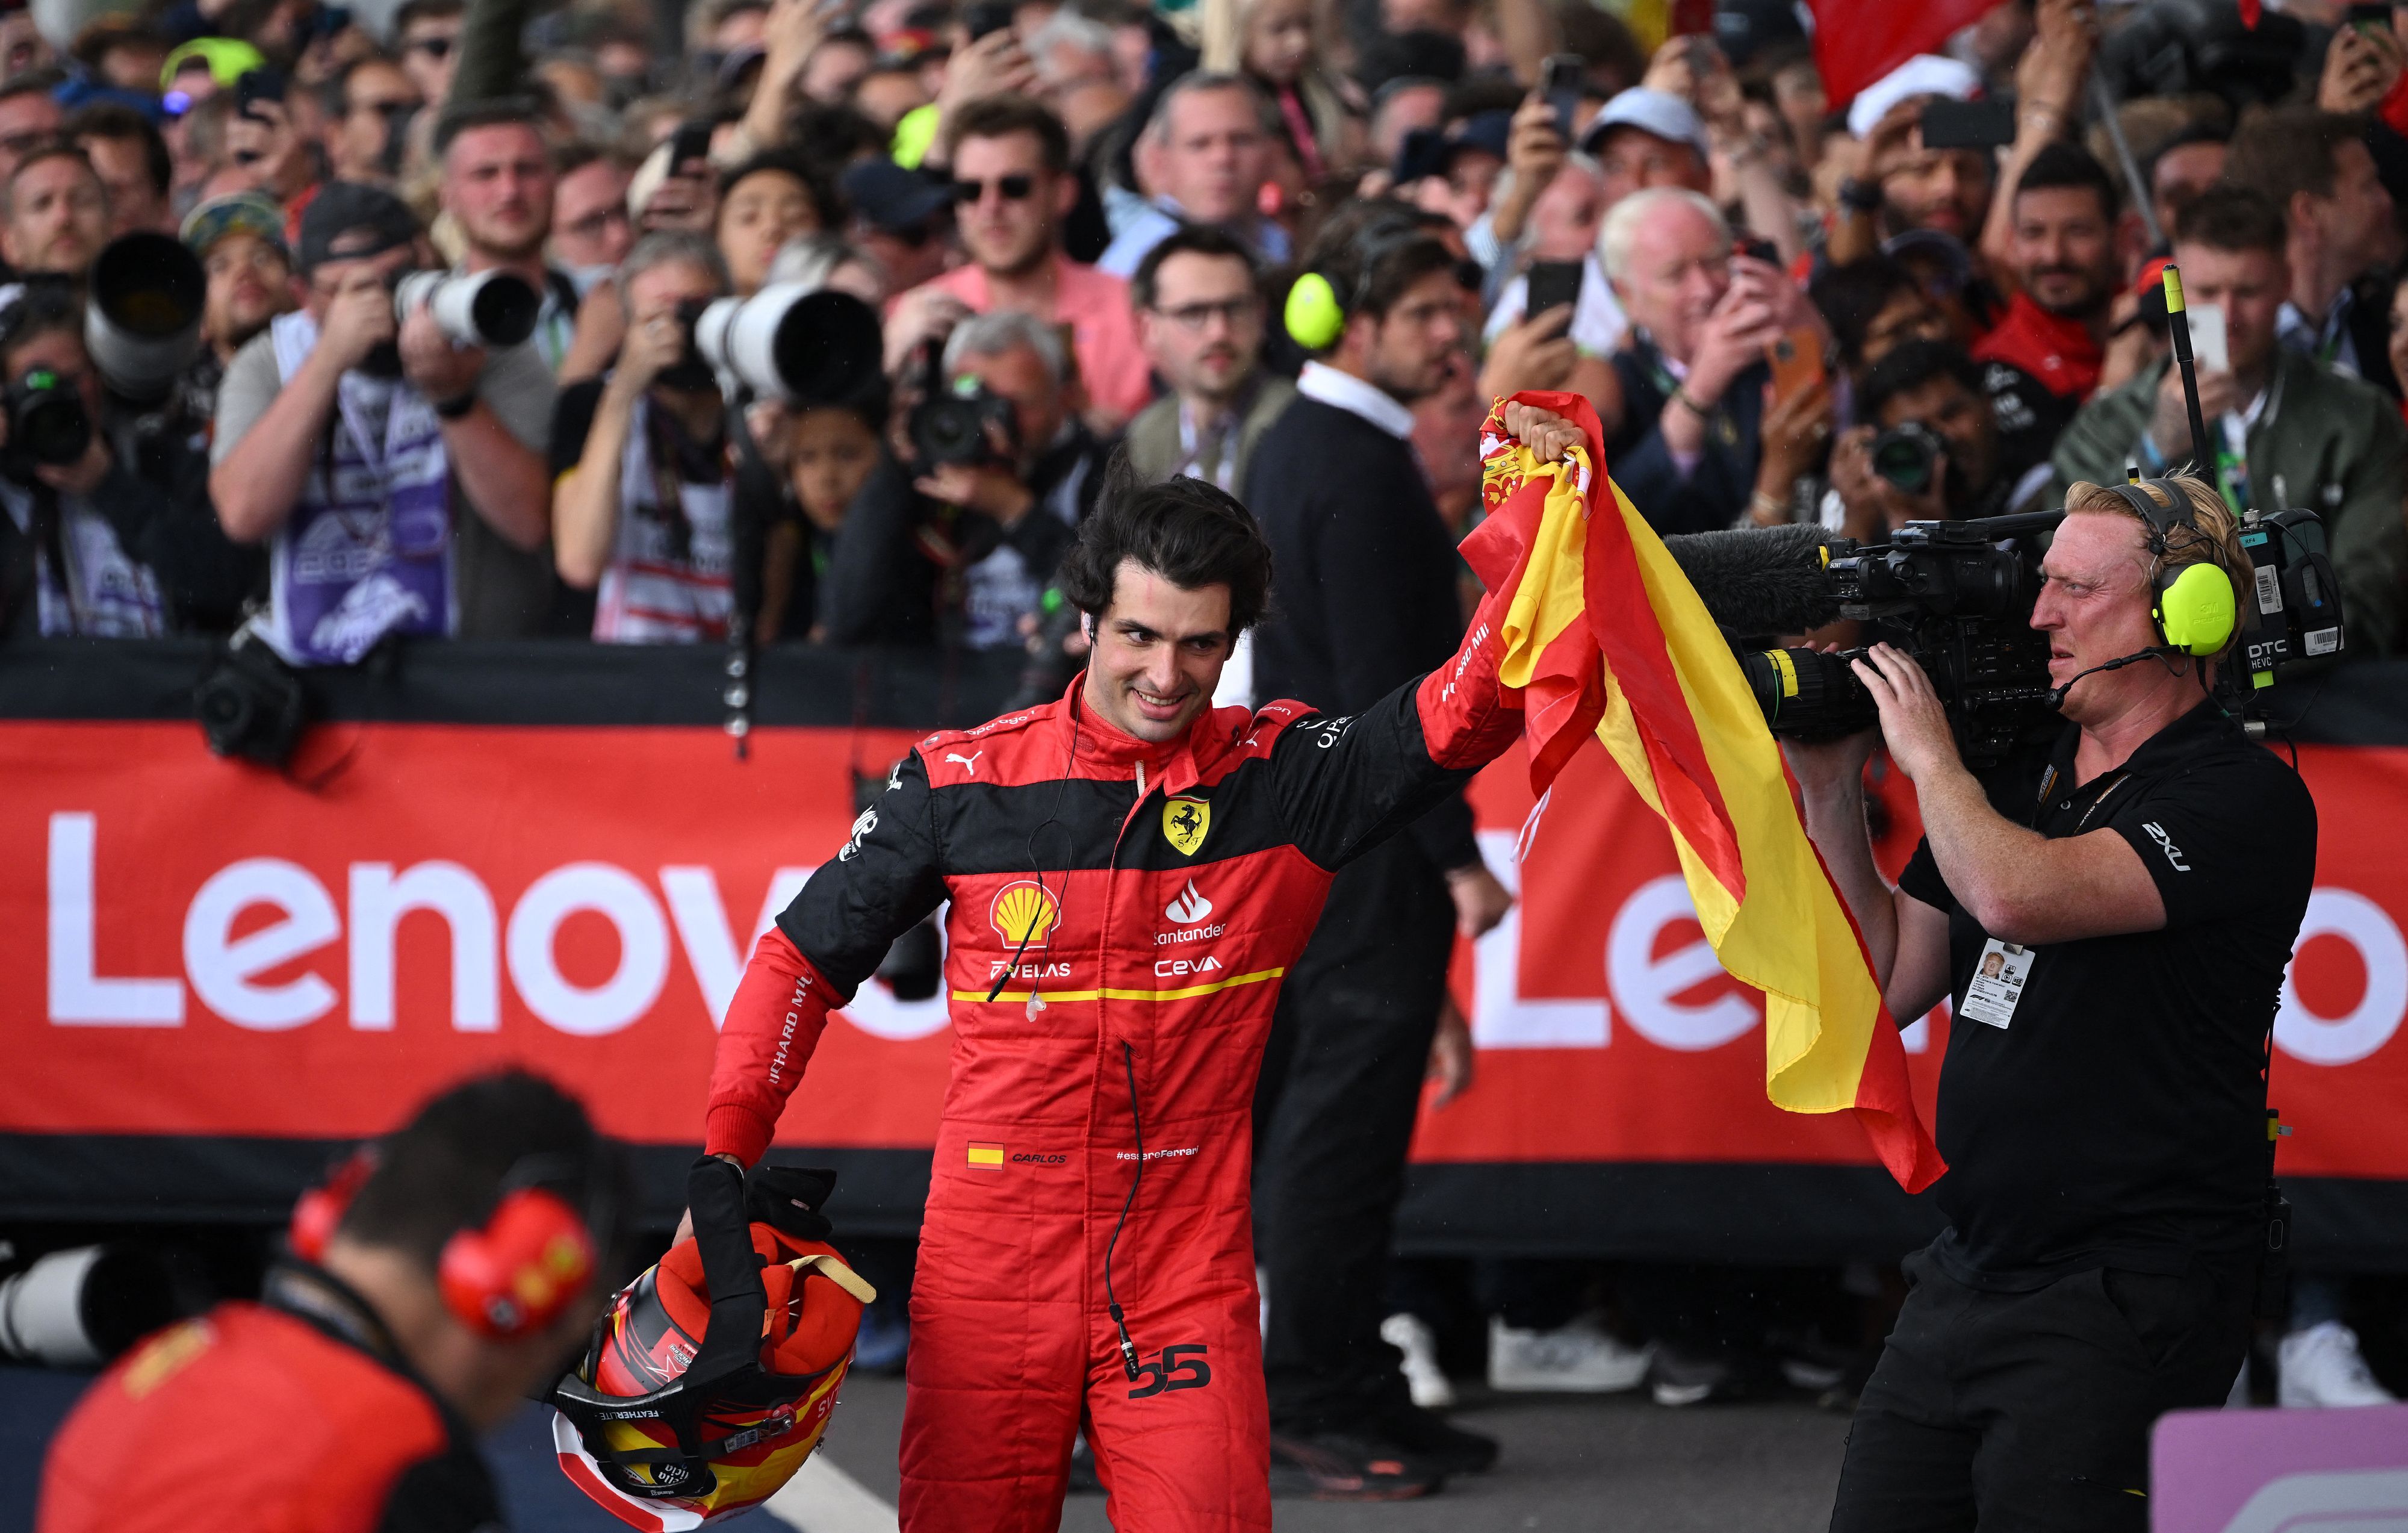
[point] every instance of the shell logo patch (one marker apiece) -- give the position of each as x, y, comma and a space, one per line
1023, 912
1185, 824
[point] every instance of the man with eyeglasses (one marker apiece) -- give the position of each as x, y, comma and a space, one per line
591, 229
427, 34
1013, 188
1200, 314
1204, 157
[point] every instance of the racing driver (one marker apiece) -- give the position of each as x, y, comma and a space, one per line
1130, 873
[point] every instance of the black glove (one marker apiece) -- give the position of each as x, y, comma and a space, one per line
731, 1268
788, 1198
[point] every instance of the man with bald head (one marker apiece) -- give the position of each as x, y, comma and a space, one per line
1203, 158
1692, 370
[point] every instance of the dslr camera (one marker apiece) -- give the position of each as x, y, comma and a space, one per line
1907, 455
950, 423
1959, 597
46, 422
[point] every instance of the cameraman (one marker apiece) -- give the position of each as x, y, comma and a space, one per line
1928, 450
359, 1360
2141, 884
959, 551
91, 546
355, 442
644, 505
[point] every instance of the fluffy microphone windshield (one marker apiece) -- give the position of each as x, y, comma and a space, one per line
1760, 579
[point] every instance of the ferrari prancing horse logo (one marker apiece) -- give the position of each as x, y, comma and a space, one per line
1184, 821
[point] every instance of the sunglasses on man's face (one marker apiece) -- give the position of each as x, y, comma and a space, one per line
1014, 189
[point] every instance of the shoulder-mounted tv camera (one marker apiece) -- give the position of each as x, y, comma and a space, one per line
1959, 595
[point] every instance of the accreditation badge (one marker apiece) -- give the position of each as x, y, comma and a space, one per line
1997, 982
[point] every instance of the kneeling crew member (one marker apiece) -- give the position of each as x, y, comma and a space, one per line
1130, 872
2110, 921
442, 1274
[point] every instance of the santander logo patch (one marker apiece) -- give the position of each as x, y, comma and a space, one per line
1189, 908
1186, 916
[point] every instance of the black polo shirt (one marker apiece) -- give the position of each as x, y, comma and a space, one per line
2118, 1119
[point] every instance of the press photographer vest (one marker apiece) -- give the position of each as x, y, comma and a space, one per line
668, 578
368, 550
80, 579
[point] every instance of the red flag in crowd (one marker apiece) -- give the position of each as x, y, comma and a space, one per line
1858, 42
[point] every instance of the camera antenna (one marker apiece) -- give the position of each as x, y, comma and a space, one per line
2200, 457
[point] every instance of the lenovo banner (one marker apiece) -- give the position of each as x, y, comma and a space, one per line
215, 972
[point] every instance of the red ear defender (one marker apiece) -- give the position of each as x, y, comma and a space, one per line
516, 1273
322, 1207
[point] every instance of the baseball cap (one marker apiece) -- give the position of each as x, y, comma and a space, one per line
228, 60
1658, 113
235, 213
361, 220
1946, 253
892, 199
1430, 151
1923, 74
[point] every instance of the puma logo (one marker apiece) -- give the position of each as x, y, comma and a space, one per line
969, 761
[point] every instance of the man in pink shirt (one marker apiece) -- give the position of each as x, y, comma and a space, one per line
1013, 187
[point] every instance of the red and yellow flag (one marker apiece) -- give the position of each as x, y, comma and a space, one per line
1604, 634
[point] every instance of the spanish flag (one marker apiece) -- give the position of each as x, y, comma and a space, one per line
1604, 635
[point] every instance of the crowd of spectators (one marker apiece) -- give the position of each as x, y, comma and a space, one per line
1085, 217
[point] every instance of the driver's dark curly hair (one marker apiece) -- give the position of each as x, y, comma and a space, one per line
1191, 533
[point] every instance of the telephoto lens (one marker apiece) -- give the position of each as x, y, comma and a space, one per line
79, 1309
489, 308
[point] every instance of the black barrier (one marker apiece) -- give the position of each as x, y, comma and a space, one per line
1753, 1213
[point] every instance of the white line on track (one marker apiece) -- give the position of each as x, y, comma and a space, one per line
822, 1498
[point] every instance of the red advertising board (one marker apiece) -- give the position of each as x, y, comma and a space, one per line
196, 947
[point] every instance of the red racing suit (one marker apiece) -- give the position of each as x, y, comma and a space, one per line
1137, 906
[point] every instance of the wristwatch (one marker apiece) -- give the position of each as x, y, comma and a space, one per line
457, 407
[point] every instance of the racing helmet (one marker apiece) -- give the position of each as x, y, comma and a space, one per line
709, 1380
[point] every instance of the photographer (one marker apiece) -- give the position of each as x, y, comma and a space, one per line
2287, 430
1928, 450
355, 442
644, 505
90, 546
375, 1373
497, 184
958, 549
2102, 1110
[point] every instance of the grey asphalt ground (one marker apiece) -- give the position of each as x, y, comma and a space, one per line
1599, 1465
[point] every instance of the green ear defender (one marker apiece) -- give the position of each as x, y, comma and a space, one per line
1319, 302
2193, 604
2195, 609
1313, 315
